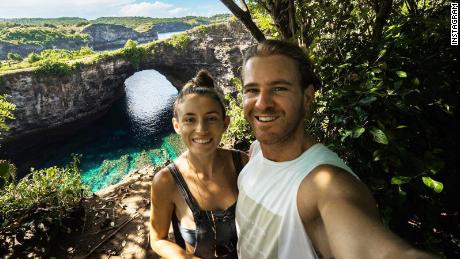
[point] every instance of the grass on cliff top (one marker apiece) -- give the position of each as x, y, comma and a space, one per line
40, 35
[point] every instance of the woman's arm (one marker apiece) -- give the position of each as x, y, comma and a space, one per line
161, 209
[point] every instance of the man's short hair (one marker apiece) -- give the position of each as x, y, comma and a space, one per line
287, 49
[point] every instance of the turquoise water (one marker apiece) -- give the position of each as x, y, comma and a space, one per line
137, 131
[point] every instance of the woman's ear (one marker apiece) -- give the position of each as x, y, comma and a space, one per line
176, 125
226, 122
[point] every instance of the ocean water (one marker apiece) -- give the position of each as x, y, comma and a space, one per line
135, 132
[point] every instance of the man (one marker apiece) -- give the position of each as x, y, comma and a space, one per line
297, 198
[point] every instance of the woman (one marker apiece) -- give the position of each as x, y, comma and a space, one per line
197, 192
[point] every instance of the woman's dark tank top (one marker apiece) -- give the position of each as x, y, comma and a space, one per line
202, 239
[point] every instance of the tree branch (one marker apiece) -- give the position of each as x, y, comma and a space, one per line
383, 10
245, 18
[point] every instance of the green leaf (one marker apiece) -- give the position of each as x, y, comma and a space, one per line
379, 136
346, 135
376, 155
432, 184
382, 53
358, 132
401, 127
368, 100
401, 74
398, 180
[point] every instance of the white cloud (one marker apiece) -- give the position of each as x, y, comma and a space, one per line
156, 9
178, 10
145, 9
91, 9
60, 8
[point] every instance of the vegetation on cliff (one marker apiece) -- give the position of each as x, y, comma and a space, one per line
40, 35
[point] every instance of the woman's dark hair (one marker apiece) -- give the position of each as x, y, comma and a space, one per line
201, 84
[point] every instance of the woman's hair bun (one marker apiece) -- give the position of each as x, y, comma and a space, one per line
203, 79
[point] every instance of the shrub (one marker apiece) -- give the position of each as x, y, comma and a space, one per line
133, 53
14, 56
55, 68
238, 133
180, 41
33, 57
38, 208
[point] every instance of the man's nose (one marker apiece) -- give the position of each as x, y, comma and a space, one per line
264, 100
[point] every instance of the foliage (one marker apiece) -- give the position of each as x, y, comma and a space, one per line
40, 205
52, 61
33, 57
133, 53
392, 116
53, 187
42, 21
6, 109
55, 68
145, 23
239, 131
39, 35
180, 41
14, 56
7, 172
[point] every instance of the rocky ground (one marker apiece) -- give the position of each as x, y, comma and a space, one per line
116, 221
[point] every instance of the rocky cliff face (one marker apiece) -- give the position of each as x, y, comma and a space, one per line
106, 36
102, 37
171, 26
48, 106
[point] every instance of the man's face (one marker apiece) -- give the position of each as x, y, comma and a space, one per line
274, 102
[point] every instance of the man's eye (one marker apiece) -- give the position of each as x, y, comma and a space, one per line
250, 90
212, 118
279, 89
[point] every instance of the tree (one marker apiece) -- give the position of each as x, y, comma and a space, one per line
245, 17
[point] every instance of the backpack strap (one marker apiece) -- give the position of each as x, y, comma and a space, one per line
184, 190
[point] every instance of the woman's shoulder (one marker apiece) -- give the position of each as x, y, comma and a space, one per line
164, 181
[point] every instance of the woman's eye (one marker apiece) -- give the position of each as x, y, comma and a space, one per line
212, 119
189, 120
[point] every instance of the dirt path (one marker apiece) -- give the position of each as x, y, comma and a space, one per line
116, 221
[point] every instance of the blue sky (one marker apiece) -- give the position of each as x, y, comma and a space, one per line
91, 9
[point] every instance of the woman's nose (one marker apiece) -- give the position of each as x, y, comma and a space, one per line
202, 126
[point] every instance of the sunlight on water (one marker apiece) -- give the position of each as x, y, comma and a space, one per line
143, 117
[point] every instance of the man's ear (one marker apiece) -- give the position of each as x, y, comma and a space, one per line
226, 122
308, 96
176, 126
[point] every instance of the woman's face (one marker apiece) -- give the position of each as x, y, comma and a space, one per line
200, 122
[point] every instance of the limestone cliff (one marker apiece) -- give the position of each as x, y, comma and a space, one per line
106, 36
55, 105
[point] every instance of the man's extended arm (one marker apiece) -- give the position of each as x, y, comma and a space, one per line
349, 216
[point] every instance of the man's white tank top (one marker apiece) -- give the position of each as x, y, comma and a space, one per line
267, 218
